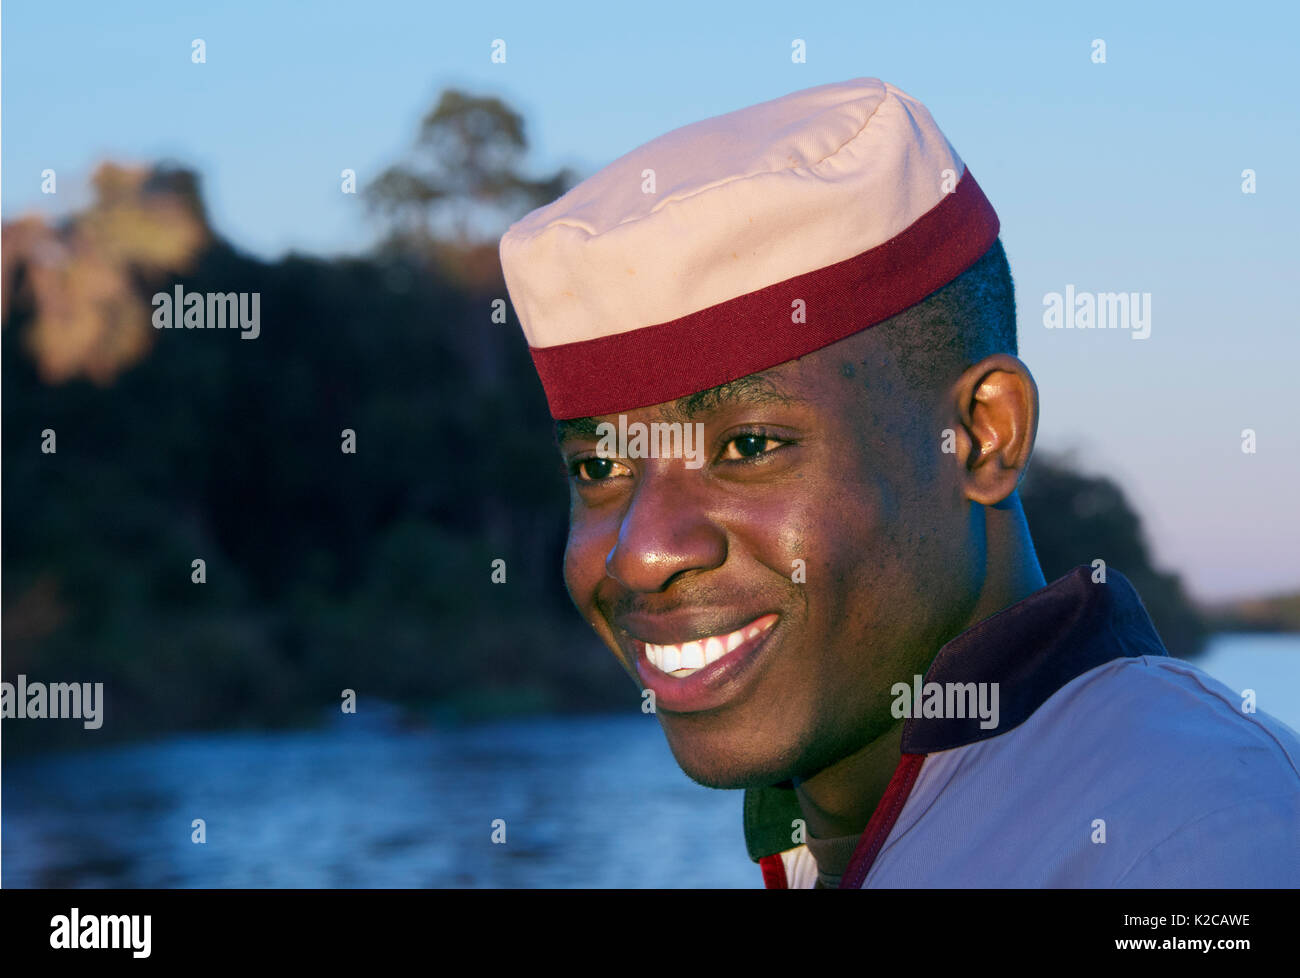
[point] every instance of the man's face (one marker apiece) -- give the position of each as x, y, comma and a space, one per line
824, 543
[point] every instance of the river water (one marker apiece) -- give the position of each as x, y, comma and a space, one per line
592, 801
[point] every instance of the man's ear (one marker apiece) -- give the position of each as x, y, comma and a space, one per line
997, 411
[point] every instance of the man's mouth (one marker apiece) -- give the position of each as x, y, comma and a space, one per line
686, 658
700, 672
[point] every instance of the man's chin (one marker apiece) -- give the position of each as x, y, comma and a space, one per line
731, 780
732, 770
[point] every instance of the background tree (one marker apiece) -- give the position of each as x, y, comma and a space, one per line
464, 169
1077, 518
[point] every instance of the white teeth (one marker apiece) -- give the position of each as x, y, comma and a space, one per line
693, 655
680, 661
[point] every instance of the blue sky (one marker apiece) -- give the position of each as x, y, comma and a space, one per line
1123, 176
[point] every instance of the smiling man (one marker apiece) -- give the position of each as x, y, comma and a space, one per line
838, 607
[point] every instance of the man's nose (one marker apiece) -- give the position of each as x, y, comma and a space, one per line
665, 532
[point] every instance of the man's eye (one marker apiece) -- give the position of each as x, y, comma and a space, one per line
749, 446
596, 469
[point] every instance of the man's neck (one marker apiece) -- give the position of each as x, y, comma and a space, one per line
840, 799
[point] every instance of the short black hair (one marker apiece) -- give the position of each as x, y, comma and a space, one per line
961, 323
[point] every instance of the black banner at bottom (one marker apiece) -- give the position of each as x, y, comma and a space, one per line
144, 928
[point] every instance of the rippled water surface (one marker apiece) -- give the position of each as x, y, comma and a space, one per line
589, 801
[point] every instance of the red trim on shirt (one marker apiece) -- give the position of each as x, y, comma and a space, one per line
773, 868
753, 332
882, 821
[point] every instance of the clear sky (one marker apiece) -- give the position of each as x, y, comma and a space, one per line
1122, 176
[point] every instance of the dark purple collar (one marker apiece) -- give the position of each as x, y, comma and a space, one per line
1033, 648
1030, 649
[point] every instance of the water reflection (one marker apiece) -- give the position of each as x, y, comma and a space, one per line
593, 801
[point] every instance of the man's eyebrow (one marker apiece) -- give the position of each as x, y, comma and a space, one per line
582, 428
754, 389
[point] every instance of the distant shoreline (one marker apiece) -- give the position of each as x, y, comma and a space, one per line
1278, 613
